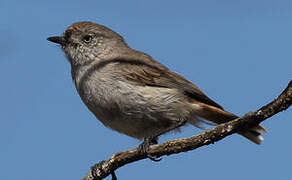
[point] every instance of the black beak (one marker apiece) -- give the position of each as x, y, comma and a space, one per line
57, 39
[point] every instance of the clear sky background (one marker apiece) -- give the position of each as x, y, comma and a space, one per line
238, 52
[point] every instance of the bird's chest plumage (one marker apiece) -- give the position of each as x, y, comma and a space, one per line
137, 111
97, 92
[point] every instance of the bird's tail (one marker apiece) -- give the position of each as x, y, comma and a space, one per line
219, 116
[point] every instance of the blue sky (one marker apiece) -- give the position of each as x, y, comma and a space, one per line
238, 52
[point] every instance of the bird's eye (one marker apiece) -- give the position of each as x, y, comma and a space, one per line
87, 38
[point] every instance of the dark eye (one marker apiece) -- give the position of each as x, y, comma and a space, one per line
87, 38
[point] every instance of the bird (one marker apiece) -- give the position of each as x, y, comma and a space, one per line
131, 92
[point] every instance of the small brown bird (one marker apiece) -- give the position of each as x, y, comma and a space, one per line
130, 92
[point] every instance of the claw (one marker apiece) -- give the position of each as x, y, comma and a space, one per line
153, 158
144, 147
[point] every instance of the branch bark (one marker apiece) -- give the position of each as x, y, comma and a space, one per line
249, 120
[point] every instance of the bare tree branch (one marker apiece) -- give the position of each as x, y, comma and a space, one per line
249, 120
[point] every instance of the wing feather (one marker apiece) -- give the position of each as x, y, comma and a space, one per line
147, 72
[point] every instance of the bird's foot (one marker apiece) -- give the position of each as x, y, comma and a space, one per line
144, 147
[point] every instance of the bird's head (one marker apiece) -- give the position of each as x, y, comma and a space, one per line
84, 42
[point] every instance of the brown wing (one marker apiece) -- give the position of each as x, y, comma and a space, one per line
147, 72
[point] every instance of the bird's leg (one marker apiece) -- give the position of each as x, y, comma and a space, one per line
144, 147
151, 140
98, 167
